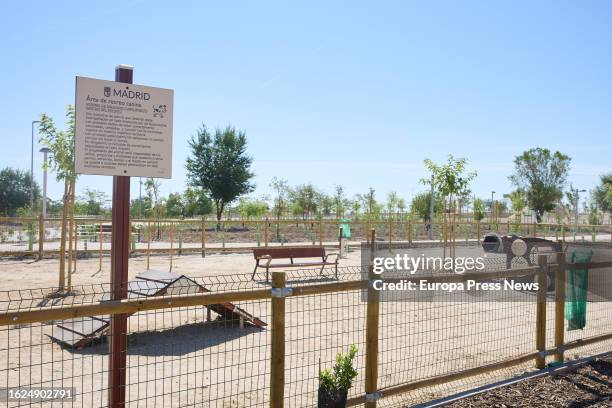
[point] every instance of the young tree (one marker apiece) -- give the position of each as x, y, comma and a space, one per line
518, 201
479, 209
542, 175
252, 208
304, 200
61, 161
175, 208
196, 203
325, 205
220, 166
419, 205
281, 201
401, 207
340, 203
92, 201
15, 187
602, 195
450, 180
392, 202
369, 204
140, 207
152, 187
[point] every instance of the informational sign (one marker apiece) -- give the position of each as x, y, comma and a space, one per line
123, 129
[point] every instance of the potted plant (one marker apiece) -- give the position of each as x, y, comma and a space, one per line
334, 385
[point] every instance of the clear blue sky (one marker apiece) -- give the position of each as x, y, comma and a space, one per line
350, 93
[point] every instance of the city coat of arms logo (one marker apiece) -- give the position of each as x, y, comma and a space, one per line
107, 91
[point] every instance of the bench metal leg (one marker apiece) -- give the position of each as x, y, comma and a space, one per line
254, 270
267, 270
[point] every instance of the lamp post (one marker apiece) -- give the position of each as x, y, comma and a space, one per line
45, 151
576, 204
32, 169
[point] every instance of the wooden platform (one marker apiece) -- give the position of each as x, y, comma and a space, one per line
82, 331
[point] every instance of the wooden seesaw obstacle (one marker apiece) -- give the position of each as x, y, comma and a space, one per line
81, 332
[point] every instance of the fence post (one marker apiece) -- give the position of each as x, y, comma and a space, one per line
478, 231
277, 359
148, 243
76, 246
541, 311
409, 232
266, 232
560, 307
171, 233
372, 313
320, 232
203, 236
41, 236
101, 236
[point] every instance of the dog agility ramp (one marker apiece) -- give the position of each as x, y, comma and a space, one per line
82, 331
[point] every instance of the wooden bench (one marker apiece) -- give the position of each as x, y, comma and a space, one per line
270, 253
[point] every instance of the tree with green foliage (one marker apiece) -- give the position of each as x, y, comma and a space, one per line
196, 203
325, 205
91, 202
478, 210
602, 195
392, 202
61, 161
152, 188
281, 201
450, 180
249, 208
15, 188
371, 208
219, 165
419, 206
518, 201
174, 206
542, 175
140, 207
340, 202
401, 207
304, 200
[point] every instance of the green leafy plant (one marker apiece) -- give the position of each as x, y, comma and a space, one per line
343, 373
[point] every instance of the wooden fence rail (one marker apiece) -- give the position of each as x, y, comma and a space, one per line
323, 232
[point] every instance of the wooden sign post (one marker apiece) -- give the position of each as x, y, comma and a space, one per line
120, 248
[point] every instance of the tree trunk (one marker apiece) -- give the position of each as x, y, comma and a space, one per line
539, 214
219, 206
71, 231
62, 250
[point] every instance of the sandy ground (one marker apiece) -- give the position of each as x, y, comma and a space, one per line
175, 358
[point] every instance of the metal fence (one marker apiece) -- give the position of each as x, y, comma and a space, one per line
41, 237
247, 344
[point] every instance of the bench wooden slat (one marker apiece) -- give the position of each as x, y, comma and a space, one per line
266, 255
289, 252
